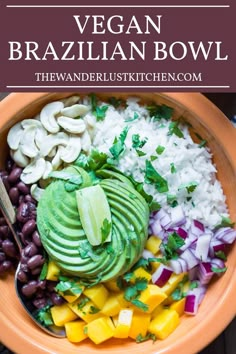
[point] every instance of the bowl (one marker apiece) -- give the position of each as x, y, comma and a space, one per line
20, 334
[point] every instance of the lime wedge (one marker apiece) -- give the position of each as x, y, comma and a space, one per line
95, 214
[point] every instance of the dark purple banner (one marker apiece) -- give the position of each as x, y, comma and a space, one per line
156, 46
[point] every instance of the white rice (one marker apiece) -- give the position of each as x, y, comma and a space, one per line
192, 163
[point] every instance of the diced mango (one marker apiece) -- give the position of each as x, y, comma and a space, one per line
153, 244
123, 303
164, 323
53, 271
124, 323
178, 306
172, 283
152, 296
140, 273
75, 331
157, 310
70, 297
62, 314
139, 325
88, 312
112, 285
98, 294
100, 329
112, 306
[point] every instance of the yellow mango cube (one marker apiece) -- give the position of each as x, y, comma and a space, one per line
85, 310
100, 329
153, 244
123, 303
124, 323
112, 306
140, 273
75, 331
158, 309
164, 323
53, 271
112, 285
173, 282
98, 294
62, 314
178, 306
139, 325
152, 296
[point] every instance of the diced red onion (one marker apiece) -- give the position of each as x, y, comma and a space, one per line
157, 229
229, 237
147, 254
216, 246
177, 216
190, 258
164, 218
161, 276
175, 266
202, 247
196, 229
183, 264
205, 273
226, 234
193, 300
199, 225
217, 263
182, 233
192, 273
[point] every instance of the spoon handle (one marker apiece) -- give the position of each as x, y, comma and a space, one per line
8, 212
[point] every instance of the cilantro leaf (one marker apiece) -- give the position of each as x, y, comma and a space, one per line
140, 338
190, 187
44, 271
82, 302
105, 229
136, 142
43, 315
225, 222
140, 153
174, 129
160, 111
152, 176
218, 270
136, 116
116, 102
174, 242
141, 305
160, 149
118, 146
221, 255
172, 200
93, 310
141, 284
193, 285
98, 111
69, 287
172, 168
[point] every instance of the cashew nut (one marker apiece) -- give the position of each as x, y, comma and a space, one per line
77, 110
19, 158
34, 171
26, 123
47, 116
85, 141
40, 136
27, 143
36, 192
56, 161
74, 126
14, 136
48, 169
72, 150
53, 140
70, 100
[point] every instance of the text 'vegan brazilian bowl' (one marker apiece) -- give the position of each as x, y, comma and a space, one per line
211, 126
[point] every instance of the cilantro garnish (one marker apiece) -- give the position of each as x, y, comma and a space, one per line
93, 310
172, 200
152, 176
141, 305
140, 153
133, 291
218, 270
140, 338
136, 142
153, 157
173, 243
68, 287
44, 271
172, 168
178, 293
190, 187
225, 222
43, 315
116, 102
193, 285
160, 111
174, 129
105, 229
82, 303
98, 111
160, 149
118, 146
221, 255
136, 116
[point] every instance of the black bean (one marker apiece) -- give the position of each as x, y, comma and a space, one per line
56, 299
29, 289
14, 195
9, 248
2, 257
24, 240
30, 250
3, 173
5, 266
30, 199
9, 165
14, 176
2, 221
40, 303
6, 183
24, 267
51, 285
36, 271
4, 232
23, 188
22, 276
36, 239
23, 213
21, 199
29, 227
35, 261
42, 284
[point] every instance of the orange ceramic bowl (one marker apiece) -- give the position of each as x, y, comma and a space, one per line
219, 305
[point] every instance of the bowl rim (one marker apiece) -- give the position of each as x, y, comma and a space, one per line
16, 102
